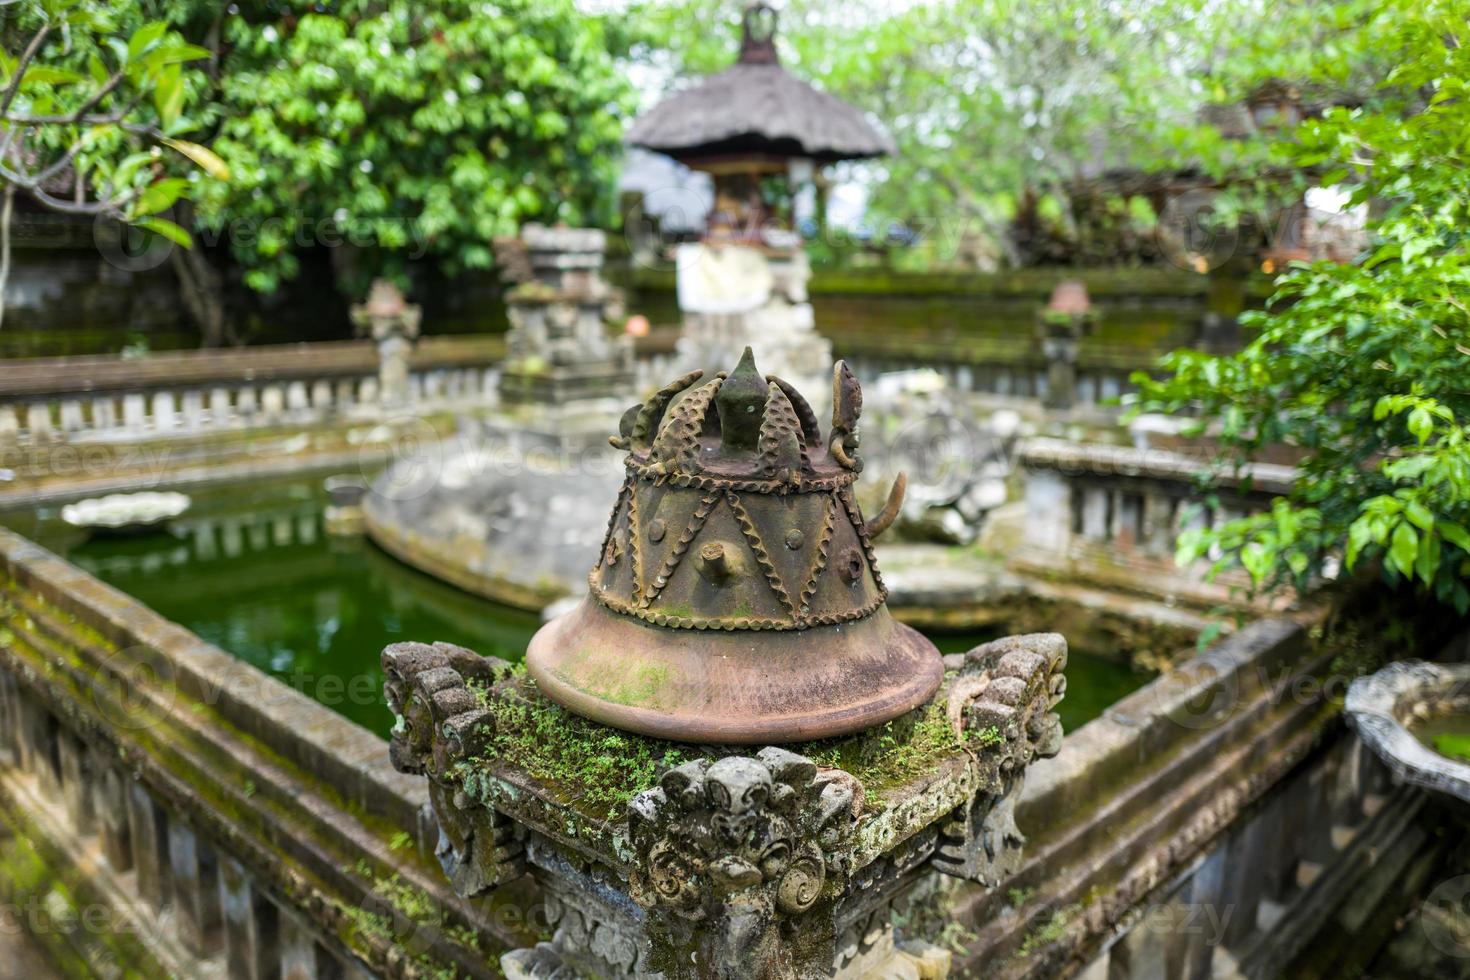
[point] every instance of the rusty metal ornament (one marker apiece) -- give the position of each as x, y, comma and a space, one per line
737, 599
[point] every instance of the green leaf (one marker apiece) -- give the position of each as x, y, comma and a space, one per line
1404, 548
1422, 517
168, 94
177, 54
144, 37
122, 174
159, 196
1455, 534
169, 230
1421, 424
49, 75
207, 159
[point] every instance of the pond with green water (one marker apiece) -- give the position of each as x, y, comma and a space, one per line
251, 569
1449, 735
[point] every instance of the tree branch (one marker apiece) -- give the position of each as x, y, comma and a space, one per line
22, 65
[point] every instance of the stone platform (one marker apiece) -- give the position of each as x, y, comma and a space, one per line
516, 520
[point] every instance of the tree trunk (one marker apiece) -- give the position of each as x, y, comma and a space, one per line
202, 289
5, 212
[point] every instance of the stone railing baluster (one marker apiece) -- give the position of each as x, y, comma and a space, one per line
322, 397
38, 420
301, 957
71, 416
150, 841
9, 423
110, 791
76, 780
298, 401
194, 875
272, 403
247, 402
221, 413
165, 415
191, 410
251, 925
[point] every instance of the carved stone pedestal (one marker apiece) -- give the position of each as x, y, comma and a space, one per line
559, 349
737, 296
1060, 327
394, 324
659, 859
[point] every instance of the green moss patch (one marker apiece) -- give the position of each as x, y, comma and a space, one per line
1454, 746
598, 769
592, 767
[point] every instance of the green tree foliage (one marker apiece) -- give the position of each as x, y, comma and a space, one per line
92, 108
1362, 368
88, 106
392, 128
995, 105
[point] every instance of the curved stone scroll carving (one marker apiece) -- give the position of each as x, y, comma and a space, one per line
733, 857
1003, 701
440, 723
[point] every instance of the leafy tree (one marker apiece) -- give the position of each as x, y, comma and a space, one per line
395, 128
85, 112
1361, 368
995, 106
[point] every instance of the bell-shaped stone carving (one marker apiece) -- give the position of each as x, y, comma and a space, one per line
737, 598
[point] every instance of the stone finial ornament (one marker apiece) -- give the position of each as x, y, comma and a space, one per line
737, 597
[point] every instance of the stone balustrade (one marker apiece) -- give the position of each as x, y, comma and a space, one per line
196, 818
1115, 513
1023, 376
227, 826
191, 392
1254, 902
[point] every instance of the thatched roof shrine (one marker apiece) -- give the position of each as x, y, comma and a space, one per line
756, 108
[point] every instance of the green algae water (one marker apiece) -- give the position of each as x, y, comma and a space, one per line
1449, 735
251, 569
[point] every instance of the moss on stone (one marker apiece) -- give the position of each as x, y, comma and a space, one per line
592, 767
598, 770
1050, 931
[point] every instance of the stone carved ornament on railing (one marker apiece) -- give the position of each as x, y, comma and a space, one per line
739, 864
1010, 686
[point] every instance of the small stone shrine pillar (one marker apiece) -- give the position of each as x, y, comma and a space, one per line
559, 349
1061, 325
761, 134
394, 324
791, 768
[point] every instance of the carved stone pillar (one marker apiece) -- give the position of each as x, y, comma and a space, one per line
1059, 330
559, 349
394, 325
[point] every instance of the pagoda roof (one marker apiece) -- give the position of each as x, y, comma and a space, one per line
757, 108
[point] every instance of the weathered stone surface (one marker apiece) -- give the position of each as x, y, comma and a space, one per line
1382, 706
202, 760
686, 861
515, 522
